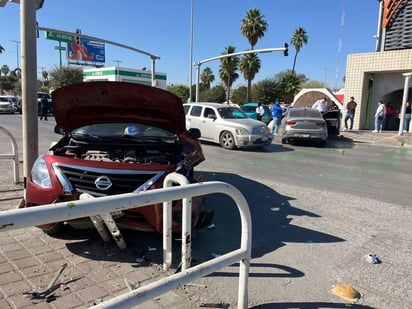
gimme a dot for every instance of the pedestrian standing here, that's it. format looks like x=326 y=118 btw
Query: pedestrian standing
x=350 y=113
x=259 y=112
x=407 y=118
x=44 y=108
x=277 y=116
x=379 y=117
x=388 y=116
x=321 y=105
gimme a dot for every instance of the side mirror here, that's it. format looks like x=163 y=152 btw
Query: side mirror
x=58 y=130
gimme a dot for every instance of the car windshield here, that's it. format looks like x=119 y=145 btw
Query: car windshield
x=231 y=113
x=120 y=131
x=249 y=109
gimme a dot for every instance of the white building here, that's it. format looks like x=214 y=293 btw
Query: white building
x=143 y=77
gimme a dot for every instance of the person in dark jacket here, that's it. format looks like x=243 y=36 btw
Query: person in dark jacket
x=44 y=108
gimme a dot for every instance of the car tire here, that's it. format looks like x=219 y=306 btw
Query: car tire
x=226 y=140
x=283 y=140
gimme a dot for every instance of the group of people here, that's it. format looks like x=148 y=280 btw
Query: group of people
x=276 y=115
x=383 y=115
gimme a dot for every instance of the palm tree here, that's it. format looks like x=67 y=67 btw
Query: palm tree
x=253 y=26
x=1 y=49
x=249 y=66
x=228 y=67
x=299 y=38
x=5 y=69
x=207 y=77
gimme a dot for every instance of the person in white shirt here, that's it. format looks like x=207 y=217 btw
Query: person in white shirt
x=321 y=105
x=379 y=116
x=259 y=112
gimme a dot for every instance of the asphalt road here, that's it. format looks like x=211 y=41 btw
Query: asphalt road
x=316 y=214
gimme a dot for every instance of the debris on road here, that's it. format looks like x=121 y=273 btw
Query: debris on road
x=346 y=292
x=372 y=258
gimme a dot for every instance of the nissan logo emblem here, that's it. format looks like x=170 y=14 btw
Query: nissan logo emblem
x=103 y=183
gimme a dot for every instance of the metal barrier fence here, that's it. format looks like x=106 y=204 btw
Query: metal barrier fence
x=13 y=156
x=33 y=216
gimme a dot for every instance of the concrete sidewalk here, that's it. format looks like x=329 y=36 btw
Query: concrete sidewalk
x=95 y=272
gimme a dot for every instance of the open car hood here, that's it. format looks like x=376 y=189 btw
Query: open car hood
x=89 y=103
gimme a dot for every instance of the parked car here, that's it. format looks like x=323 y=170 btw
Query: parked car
x=7 y=104
x=304 y=124
x=226 y=125
x=250 y=110
x=117 y=138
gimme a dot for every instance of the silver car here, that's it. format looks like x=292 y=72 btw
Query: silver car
x=226 y=125
x=7 y=105
x=304 y=124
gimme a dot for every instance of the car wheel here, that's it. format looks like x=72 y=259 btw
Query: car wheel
x=283 y=140
x=226 y=140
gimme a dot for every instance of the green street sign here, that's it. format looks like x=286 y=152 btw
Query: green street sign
x=58 y=37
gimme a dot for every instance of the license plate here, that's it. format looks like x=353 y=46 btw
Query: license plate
x=306 y=135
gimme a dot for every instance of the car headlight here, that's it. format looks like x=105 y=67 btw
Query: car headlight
x=242 y=131
x=39 y=173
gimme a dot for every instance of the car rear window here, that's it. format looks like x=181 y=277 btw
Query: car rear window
x=304 y=113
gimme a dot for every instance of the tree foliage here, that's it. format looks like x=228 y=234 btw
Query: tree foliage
x=182 y=91
x=228 y=67
x=64 y=76
x=214 y=94
x=299 y=38
x=253 y=26
x=239 y=95
x=249 y=66
x=207 y=77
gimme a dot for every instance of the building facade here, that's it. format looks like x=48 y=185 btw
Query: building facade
x=371 y=77
x=143 y=77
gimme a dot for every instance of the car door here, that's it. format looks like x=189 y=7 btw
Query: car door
x=193 y=117
x=207 y=123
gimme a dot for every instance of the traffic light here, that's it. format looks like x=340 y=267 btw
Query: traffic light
x=286 y=51
x=78 y=33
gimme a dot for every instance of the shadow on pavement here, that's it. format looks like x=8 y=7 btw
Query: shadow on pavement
x=271 y=220
x=307 y=305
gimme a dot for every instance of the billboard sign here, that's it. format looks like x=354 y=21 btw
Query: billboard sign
x=86 y=52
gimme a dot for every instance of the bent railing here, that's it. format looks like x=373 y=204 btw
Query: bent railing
x=33 y=216
x=13 y=156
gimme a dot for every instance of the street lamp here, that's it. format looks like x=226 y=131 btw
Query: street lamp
x=118 y=70
x=17 y=51
x=265 y=50
x=191 y=52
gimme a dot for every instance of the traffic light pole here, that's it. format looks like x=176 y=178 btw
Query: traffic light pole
x=257 y=51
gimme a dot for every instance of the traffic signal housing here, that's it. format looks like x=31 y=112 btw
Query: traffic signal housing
x=78 y=33
x=286 y=51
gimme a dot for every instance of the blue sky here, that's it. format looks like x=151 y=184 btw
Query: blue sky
x=162 y=27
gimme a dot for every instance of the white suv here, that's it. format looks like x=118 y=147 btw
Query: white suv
x=226 y=125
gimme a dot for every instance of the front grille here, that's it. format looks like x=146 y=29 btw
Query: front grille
x=83 y=179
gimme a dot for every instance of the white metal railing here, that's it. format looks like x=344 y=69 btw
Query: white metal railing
x=13 y=156
x=33 y=216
